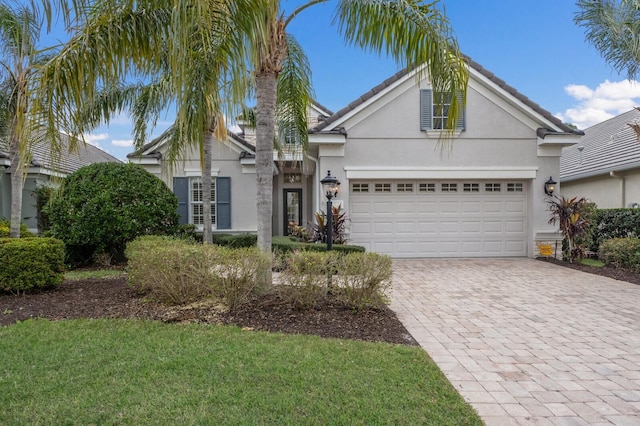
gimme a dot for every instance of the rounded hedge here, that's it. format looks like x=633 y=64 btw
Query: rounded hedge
x=105 y=205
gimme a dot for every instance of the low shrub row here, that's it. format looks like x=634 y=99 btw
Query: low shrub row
x=290 y=244
x=612 y=223
x=360 y=280
x=30 y=264
x=175 y=271
x=621 y=252
x=5 y=226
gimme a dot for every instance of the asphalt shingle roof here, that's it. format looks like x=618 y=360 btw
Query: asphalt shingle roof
x=68 y=162
x=605 y=147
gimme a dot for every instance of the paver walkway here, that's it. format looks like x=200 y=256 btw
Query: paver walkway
x=527 y=342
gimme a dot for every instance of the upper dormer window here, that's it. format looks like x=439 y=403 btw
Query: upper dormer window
x=434 y=110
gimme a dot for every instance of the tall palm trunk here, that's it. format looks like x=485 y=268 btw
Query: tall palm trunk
x=266 y=91
x=17 y=184
x=207 y=236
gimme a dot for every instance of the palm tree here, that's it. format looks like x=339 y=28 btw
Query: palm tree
x=19 y=35
x=613 y=27
x=233 y=36
x=413 y=32
x=192 y=55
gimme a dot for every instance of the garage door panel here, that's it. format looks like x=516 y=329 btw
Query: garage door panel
x=440 y=224
x=515 y=207
x=492 y=227
x=514 y=227
x=471 y=227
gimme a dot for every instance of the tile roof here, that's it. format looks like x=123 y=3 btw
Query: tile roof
x=68 y=162
x=605 y=147
x=473 y=65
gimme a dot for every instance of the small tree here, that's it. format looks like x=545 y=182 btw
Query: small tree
x=570 y=215
x=105 y=205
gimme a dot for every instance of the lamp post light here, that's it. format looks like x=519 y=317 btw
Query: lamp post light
x=550 y=186
x=330 y=186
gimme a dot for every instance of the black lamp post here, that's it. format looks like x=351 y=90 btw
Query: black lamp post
x=550 y=186
x=330 y=186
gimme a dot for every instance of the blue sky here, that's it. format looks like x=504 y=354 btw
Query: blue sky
x=533 y=45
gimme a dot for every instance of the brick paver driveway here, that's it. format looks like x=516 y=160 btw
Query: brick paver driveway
x=527 y=342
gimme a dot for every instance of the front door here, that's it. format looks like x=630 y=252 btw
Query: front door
x=292 y=209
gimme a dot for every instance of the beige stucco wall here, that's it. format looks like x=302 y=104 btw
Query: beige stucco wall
x=605 y=190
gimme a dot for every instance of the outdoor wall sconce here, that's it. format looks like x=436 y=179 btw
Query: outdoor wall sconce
x=550 y=186
x=330 y=186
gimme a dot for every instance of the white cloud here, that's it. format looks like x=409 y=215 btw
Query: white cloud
x=122 y=142
x=609 y=99
x=94 y=140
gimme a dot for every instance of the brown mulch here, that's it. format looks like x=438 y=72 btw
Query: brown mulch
x=113 y=298
x=619 y=274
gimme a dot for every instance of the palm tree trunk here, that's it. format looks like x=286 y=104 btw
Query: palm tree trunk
x=207 y=237
x=17 y=184
x=266 y=91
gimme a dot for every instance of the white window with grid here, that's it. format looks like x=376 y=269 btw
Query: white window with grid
x=492 y=187
x=404 y=187
x=383 y=187
x=515 y=187
x=470 y=187
x=195 y=202
x=360 y=187
x=449 y=187
x=426 y=187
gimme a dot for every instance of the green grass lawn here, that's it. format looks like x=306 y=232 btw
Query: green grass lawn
x=592 y=262
x=139 y=372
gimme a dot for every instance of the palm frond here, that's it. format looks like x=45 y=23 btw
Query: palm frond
x=414 y=33
x=294 y=96
x=613 y=28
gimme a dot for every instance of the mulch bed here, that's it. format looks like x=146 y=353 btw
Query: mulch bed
x=113 y=298
x=605 y=271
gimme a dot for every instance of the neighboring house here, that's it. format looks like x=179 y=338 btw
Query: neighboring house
x=44 y=170
x=605 y=166
x=405 y=193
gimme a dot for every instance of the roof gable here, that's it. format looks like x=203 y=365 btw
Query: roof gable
x=544 y=117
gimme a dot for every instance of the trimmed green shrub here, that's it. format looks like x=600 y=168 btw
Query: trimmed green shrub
x=235 y=241
x=614 y=223
x=621 y=252
x=5 y=227
x=30 y=264
x=105 y=205
x=364 y=279
x=287 y=244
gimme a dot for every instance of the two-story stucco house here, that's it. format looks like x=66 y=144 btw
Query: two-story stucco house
x=405 y=194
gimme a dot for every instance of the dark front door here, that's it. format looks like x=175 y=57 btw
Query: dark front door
x=292 y=208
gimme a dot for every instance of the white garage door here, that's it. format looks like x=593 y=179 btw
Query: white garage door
x=439 y=218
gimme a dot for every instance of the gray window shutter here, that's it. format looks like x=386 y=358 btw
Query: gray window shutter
x=461 y=124
x=223 y=203
x=426 y=108
x=181 y=191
